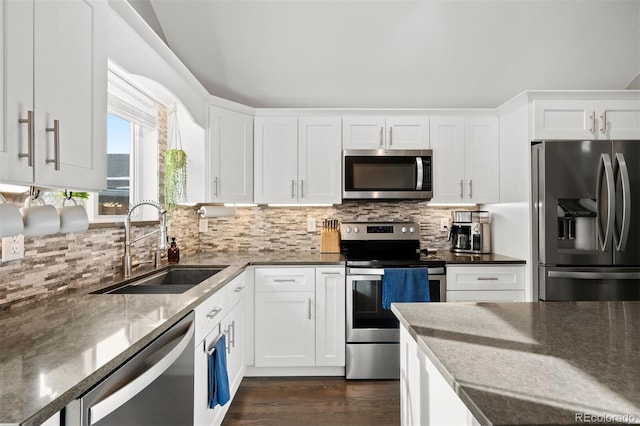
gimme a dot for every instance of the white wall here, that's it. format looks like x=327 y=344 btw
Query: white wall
x=511 y=229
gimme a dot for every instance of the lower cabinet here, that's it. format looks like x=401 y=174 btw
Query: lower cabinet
x=224 y=314
x=425 y=396
x=300 y=317
x=490 y=283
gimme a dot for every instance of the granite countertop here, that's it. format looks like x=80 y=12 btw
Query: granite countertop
x=534 y=363
x=465 y=258
x=54 y=351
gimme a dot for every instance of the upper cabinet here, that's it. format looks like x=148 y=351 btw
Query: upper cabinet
x=231 y=156
x=586 y=119
x=392 y=132
x=55 y=93
x=465 y=159
x=297 y=161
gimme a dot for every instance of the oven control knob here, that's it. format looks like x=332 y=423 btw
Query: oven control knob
x=412 y=229
x=355 y=229
x=348 y=229
x=404 y=229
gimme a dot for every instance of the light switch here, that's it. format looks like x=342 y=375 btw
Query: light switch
x=203 y=225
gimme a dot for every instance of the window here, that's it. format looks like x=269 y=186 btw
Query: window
x=132 y=152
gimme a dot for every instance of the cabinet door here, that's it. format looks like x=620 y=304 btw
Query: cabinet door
x=363 y=133
x=484 y=278
x=276 y=160
x=319 y=159
x=407 y=132
x=70 y=83
x=447 y=143
x=482 y=160
x=234 y=328
x=285 y=329
x=618 y=119
x=231 y=161
x=17 y=90
x=330 y=317
x=564 y=120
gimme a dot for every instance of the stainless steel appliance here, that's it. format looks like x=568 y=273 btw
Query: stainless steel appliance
x=387 y=174
x=470 y=232
x=154 y=387
x=373 y=333
x=586 y=211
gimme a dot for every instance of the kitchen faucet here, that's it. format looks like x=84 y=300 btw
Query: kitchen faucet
x=162 y=239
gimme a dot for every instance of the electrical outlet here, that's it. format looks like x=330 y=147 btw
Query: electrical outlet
x=203 y=225
x=12 y=248
x=444 y=224
x=311 y=224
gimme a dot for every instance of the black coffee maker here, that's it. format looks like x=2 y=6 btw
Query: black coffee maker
x=470 y=232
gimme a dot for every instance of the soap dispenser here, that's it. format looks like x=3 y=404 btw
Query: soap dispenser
x=173 y=252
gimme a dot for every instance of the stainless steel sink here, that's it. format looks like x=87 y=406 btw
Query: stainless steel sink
x=175 y=280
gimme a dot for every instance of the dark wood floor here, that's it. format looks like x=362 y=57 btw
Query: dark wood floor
x=315 y=401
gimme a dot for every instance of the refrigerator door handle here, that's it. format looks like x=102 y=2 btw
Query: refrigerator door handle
x=605 y=169
x=621 y=167
x=585 y=275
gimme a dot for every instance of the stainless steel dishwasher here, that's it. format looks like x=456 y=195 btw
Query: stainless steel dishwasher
x=154 y=387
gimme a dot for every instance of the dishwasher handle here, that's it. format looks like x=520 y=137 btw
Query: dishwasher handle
x=103 y=408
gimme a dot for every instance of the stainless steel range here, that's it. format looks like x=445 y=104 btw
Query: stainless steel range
x=370 y=248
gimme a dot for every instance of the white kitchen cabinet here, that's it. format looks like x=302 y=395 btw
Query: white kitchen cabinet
x=231 y=156
x=425 y=396
x=330 y=316
x=234 y=329
x=586 y=119
x=392 y=132
x=466 y=159
x=300 y=317
x=297 y=161
x=487 y=283
x=55 y=94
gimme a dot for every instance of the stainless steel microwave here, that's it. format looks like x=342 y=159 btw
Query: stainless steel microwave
x=387 y=174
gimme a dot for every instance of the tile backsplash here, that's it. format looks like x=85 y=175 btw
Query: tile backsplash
x=58 y=263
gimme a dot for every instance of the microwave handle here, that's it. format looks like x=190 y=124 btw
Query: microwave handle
x=420 y=177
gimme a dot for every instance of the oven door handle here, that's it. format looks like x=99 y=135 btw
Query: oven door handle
x=364 y=273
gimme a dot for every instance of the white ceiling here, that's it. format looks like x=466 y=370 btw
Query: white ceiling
x=398 y=54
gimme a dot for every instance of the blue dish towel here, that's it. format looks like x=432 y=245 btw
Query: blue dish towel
x=218 y=377
x=405 y=285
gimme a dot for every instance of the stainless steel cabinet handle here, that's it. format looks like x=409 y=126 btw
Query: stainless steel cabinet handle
x=284 y=280
x=233 y=333
x=238 y=289
x=592 y=117
x=605 y=169
x=227 y=331
x=309 y=308
x=487 y=278
x=470 y=188
x=214 y=312
x=128 y=391
x=621 y=166
x=603 y=117
x=215 y=187
x=301 y=188
x=461 y=188
x=30 y=141
x=56 y=144
x=380 y=137
x=331 y=273
x=293 y=188
x=390 y=136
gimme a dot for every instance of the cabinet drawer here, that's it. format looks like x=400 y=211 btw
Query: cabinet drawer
x=209 y=313
x=485 y=278
x=285 y=279
x=485 y=296
x=235 y=290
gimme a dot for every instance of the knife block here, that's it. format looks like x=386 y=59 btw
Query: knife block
x=329 y=241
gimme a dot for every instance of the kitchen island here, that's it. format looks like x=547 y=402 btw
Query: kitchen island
x=521 y=363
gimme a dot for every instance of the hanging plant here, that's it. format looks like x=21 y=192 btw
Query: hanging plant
x=175 y=169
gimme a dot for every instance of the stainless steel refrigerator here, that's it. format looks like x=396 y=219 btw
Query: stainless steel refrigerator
x=586 y=217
